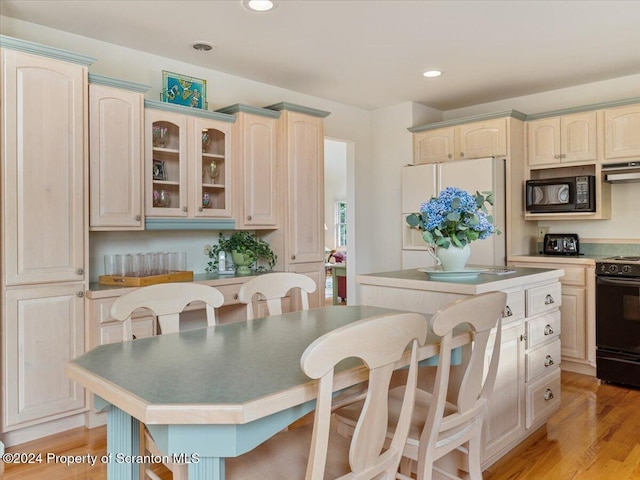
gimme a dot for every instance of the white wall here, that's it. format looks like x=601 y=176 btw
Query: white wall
x=335 y=185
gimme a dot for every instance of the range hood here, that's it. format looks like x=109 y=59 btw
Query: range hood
x=625 y=172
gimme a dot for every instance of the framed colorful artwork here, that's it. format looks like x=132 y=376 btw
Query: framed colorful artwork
x=183 y=90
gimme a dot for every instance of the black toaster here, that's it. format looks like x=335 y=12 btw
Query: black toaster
x=561 y=244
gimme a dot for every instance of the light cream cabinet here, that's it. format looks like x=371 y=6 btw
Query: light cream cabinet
x=105 y=329
x=256 y=176
x=115 y=155
x=188 y=162
x=556 y=140
x=43 y=153
x=471 y=140
x=622 y=133
x=43 y=329
x=44 y=238
x=299 y=243
x=577 y=312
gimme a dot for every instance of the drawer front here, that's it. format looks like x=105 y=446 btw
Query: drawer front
x=542 y=360
x=141 y=328
x=515 y=305
x=543 y=299
x=543 y=397
x=101 y=310
x=230 y=293
x=542 y=329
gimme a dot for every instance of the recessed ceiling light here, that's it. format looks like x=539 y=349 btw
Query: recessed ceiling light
x=202 y=46
x=432 y=73
x=259 y=5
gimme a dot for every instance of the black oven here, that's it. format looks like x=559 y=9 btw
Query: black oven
x=618 y=320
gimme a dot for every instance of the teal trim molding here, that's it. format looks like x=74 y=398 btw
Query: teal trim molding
x=475 y=118
x=44 y=51
x=114 y=82
x=585 y=108
x=195 y=112
x=292 y=107
x=190 y=223
x=239 y=107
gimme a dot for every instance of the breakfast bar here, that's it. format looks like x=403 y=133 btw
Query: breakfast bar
x=216 y=392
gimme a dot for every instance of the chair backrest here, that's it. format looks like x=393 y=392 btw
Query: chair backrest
x=166 y=301
x=381 y=341
x=273 y=287
x=481 y=313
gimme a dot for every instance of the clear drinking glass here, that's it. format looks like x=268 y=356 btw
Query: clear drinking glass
x=149 y=268
x=137 y=265
x=123 y=261
x=110 y=265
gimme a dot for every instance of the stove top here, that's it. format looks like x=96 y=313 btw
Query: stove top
x=619 y=266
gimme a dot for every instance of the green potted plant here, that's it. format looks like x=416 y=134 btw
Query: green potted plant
x=245 y=249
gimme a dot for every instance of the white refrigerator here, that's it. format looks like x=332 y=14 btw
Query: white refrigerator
x=421 y=182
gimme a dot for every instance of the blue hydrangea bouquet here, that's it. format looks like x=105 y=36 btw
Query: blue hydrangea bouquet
x=454 y=217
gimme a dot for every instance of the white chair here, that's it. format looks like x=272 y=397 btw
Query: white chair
x=273 y=287
x=381 y=341
x=438 y=426
x=166 y=301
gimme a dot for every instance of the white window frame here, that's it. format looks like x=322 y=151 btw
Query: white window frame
x=338 y=223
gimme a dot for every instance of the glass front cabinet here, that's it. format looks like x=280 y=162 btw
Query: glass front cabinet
x=187 y=162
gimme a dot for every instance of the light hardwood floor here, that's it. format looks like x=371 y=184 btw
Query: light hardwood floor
x=594 y=436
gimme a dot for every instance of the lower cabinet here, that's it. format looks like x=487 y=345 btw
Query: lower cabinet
x=315 y=271
x=104 y=329
x=43 y=329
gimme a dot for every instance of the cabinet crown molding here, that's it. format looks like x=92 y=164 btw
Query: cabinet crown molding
x=475 y=118
x=292 y=107
x=114 y=82
x=239 y=107
x=194 y=112
x=584 y=108
x=44 y=51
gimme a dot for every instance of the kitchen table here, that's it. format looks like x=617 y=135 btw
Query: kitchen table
x=215 y=392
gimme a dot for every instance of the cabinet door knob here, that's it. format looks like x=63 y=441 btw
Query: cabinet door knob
x=184 y=209
x=80 y=294
x=80 y=271
x=235 y=296
x=557 y=156
x=564 y=155
x=449 y=156
x=248 y=217
x=548 y=361
x=548 y=300
x=199 y=209
x=548 y=395
x=523 y=338
x=293 y=257
x=138 y=217
x=548 y=330
x=462 y=154
x=507 y=312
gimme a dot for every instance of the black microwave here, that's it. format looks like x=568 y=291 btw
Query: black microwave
x=560 y=195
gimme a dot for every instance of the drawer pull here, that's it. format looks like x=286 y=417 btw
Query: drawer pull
x=548 y=300
x=507 y=312
x=548 y=330
x=548 y=361
x=133 y=337
x=548 y=395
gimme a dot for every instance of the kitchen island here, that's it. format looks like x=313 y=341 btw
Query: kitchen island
x=527 y=388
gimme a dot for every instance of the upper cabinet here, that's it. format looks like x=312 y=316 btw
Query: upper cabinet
x=255 y=135
x=188 y=164
x=43 y=155
x=622 y=132
x=555 y=140
x=487 y=138
x=115 y=154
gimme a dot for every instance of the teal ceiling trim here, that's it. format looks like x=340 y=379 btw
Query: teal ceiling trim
x=292 y=107
x=114 y=82
x=196 y=112
x=239 y=107
x=475 y=118
x=190 y=224
x=44 y=51
x=584 y=108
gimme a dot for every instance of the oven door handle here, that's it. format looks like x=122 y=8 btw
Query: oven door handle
x=618 y=281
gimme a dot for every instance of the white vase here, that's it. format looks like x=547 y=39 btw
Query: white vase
x=453 y=259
